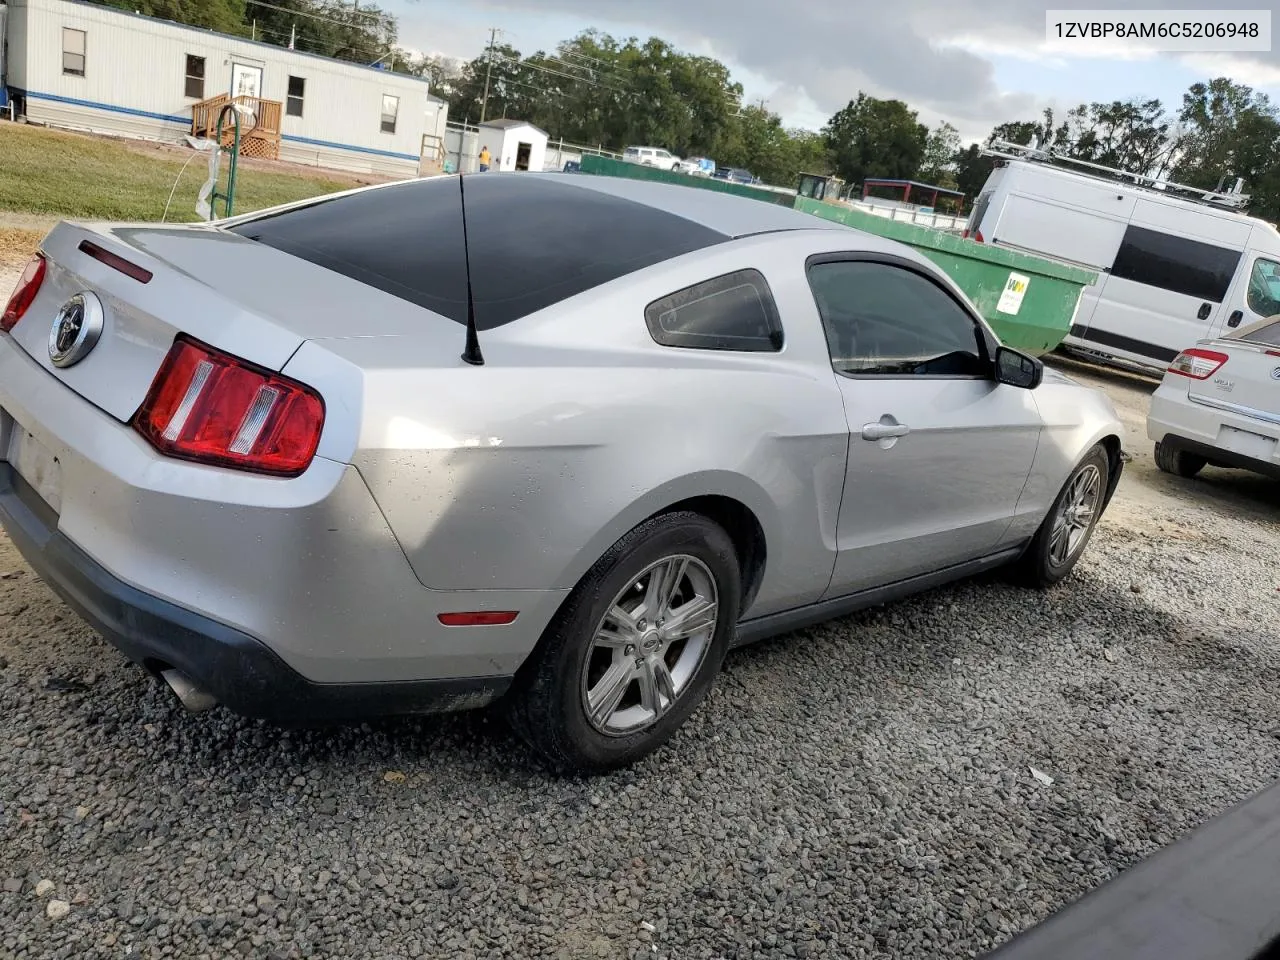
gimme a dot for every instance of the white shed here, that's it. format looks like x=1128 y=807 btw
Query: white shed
x=514 y=144
x=88 y=67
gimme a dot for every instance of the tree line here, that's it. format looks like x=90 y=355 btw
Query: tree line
x=595 y=89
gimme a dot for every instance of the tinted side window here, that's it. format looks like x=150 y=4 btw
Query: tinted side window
x=885 y=320
x=732 y=312
x=1189 y=267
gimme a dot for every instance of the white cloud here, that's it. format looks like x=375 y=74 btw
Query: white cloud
x=1242 y=69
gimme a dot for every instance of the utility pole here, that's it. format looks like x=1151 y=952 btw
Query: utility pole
x=488 y=71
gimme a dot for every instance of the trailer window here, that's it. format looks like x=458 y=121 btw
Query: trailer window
x=297 y=87
x=1188 y=267
x=73 y=52
x=390 y=107
x=194 y=88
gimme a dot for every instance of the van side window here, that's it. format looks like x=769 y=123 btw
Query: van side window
x=888 y=321
x=1263 y=297
x=732 y=312
x=1189 y=267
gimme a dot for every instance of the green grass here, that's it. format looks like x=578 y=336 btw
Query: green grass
x=80 y=177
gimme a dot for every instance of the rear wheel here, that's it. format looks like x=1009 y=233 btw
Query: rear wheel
x=1065 y=532
x=635 y=648
x=1178 y=462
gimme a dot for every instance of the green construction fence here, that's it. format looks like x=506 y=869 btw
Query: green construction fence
x=608 y=167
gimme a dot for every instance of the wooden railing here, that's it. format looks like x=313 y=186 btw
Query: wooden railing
x=262 y=140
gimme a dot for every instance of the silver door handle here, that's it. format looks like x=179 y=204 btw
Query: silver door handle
x=883 y=431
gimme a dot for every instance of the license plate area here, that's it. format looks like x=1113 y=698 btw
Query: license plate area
x=1246 y=444
x=36 y=464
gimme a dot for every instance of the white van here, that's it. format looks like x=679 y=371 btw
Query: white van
x=1172 y=270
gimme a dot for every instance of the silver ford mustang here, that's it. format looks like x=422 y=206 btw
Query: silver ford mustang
x=556 y=439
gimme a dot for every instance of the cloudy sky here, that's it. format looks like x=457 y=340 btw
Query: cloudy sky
x=974 y=63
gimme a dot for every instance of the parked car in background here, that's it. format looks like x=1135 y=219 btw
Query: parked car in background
x=1219 y=404
x=652 y=157
x=698 y=166
x=735 y=175
x=374 y=453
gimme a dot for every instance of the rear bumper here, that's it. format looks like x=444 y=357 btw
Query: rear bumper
x=239 y=671
x=1197 y=428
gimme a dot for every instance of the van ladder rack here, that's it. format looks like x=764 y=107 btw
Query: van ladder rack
x=1233 y=200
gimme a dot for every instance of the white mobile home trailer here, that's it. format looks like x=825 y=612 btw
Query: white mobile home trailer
x=83 y=66
x=1171 y=270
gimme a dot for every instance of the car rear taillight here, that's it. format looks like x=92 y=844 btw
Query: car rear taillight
x=214 y=408
x=24 y=293
x=1198 y=364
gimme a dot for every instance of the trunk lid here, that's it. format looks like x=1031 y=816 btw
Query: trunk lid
x=240 y=296
x=1248 y=381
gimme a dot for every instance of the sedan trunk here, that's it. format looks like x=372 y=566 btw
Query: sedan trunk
x=245 y=298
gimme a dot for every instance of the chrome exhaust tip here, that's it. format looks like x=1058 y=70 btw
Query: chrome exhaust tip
x=189 y=695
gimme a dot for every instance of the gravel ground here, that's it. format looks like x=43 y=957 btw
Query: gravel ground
x=863 y=789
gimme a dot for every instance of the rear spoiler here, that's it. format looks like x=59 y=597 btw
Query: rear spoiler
x=1214 y=895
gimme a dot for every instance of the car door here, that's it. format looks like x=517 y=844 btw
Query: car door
x=938 y=451
x=1255 y=295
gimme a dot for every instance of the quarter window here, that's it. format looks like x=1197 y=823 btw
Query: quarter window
x=194 y=88
x=390 y=107
x=732 y=312
x=297 y=88
x=73 y=47
x=1263 y=297
x=1188 y=267
x=890 y=321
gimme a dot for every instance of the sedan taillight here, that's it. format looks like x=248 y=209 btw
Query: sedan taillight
x=1198 y=364
x=24 y=293
x=214 y=408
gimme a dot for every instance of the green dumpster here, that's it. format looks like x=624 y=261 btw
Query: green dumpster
x=1028 y=301
x=608 y=167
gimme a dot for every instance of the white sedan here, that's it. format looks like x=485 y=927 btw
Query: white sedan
x=1219 y=404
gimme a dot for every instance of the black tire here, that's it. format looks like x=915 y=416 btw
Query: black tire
x=1178 y=462
x=1039 y=566
x=547 y=708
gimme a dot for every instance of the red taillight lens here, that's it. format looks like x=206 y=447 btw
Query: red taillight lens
x=1198 y=364
x=478 y=618
x=213 y=408
x=24 y=293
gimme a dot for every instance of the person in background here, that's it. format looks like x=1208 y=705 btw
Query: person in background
x=484 y=158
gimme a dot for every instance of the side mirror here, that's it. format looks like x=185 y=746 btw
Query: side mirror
x=1017 y=369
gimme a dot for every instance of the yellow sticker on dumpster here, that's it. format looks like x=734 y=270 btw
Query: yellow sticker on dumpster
x=1015 y=288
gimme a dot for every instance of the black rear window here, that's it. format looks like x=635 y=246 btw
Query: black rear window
x=533 y=241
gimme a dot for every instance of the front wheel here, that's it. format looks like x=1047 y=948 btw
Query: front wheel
x=635 y=648
x=1065 y=532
